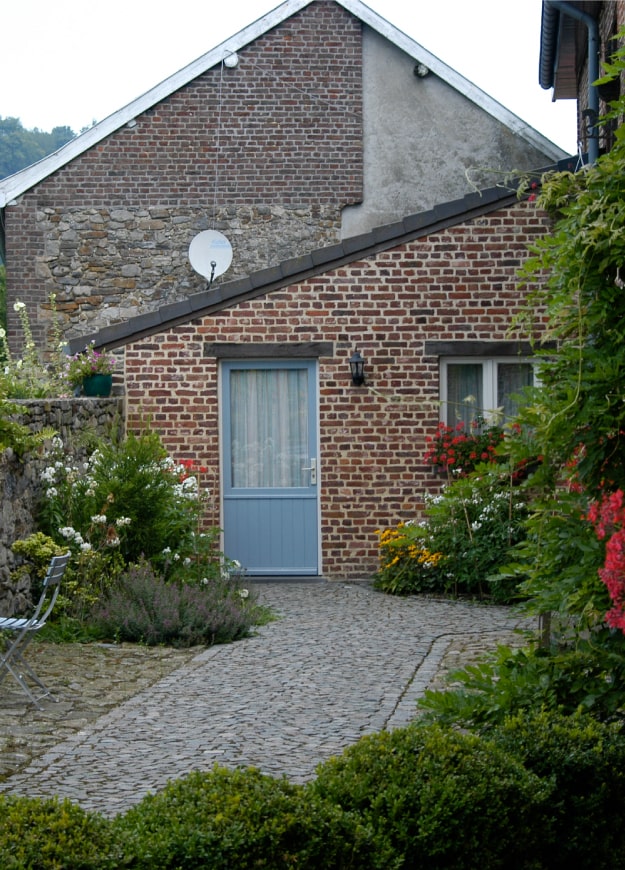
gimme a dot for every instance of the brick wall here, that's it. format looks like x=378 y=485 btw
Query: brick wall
x=112 y=228
x=458 y=284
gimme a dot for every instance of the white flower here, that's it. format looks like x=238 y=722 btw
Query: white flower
x=122 y=521
x=187 y=562
x=166 y=551
x=19 y=306
x=67 y=532
x=85 y=547
x=51 y=492
x=112 y=542
x=244 y=593
x=2 y=333
x=176 y=557
x=99 y=519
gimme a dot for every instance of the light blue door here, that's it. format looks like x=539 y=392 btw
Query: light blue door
x=270 y=466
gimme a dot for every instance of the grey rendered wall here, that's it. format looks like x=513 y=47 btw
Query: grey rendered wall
x=424 y=142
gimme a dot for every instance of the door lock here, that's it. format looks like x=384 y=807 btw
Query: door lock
x=313 y=471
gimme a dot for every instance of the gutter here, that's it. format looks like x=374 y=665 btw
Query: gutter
x=549 y=41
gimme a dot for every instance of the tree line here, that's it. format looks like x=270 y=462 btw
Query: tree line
x=20 y=147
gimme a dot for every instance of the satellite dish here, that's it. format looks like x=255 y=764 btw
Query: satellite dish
x=210 y=254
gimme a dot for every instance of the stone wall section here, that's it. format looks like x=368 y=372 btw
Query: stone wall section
x=20 y=479
x=459 y=284
x=268 y=152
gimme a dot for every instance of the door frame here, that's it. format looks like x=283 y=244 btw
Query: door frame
x=228 y=363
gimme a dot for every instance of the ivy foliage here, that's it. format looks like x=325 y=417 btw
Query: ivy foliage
x=575 y=287
x=577 y=275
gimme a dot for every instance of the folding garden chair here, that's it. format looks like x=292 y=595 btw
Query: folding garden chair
x=23 y=629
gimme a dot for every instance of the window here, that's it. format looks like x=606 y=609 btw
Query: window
x=472 y=387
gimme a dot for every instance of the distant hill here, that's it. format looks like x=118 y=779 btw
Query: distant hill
x=19 y=147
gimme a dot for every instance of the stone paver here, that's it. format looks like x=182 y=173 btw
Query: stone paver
x=342 y=661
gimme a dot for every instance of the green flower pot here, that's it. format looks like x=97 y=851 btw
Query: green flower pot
x=97 y=385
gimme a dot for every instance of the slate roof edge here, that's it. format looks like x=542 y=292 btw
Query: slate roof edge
x=301 y=268
x=12 y=187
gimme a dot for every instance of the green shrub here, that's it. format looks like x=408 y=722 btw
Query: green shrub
x=38 y=834
x=466 y=537
x=587 y=675
x=239 y=819
x=436 y=798
x=143 y=608
x=128 y=497
x=586 y=763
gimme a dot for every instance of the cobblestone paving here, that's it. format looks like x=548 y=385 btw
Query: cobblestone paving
x=341 y=661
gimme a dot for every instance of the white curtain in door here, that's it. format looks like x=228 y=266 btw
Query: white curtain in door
x=269 y=427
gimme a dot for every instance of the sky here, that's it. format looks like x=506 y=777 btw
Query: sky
x=70 y=62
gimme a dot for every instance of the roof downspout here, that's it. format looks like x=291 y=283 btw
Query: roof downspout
x=593 y=70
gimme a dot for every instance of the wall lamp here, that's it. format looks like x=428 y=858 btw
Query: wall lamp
x=357 y=366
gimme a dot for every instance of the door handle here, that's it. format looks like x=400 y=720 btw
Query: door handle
x=313 y=471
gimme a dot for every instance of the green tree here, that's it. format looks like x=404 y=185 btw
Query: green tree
x=20 y=148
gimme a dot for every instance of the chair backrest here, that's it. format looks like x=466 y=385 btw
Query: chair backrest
x=51 y=586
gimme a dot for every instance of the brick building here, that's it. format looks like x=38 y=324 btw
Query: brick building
x=345 y=239
x=254 y=374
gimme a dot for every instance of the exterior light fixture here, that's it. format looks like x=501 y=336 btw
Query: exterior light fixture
x=357 y=366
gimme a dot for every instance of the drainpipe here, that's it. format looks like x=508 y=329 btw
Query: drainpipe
x=593 y=70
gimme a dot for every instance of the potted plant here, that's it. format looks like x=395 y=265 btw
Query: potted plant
x=91 y=371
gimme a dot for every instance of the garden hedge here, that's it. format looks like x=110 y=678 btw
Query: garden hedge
x=540 y=792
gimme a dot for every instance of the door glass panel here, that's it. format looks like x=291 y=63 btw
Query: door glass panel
x=269 y=428
x=511 y=379
x=465 y=399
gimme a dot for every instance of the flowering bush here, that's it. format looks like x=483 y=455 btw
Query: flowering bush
x=406 y=564
x=459 y=450
x=608 y=519
x=466 y=537
x=87 y=363
x=28 y=376
x=130 y=512
x=132 y=495
x=144 y=608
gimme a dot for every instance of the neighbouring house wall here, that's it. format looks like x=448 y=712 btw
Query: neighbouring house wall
x=611 y=20
x=424 y=141
x=458 y=284
x=21 y=486
x=268 y=152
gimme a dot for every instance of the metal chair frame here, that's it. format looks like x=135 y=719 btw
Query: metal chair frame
x=23 y=630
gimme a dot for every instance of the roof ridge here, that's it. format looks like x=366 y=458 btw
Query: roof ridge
x=17 y=184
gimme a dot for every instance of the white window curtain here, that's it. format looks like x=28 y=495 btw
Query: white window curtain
x=465 y=393
x=511 y=380
x=269 y=427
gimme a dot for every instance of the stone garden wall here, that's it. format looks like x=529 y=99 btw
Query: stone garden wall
x=20 y=479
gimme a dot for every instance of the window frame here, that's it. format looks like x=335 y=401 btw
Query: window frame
x=489 y=381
